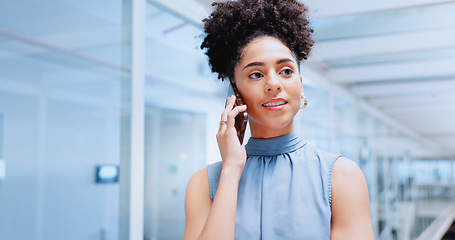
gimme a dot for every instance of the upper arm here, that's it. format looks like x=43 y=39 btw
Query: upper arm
x=350 y=202
x=197 y=204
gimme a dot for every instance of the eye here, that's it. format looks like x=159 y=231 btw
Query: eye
x=287 y=71
x=255 y=75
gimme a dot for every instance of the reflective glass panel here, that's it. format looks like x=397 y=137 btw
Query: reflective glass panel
x=61 y=106
x=183 y=102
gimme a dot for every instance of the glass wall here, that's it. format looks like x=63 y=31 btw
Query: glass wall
x=63 y=76
x=183 y=101
x=312 y=123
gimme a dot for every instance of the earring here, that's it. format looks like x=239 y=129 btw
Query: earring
x=305 y=103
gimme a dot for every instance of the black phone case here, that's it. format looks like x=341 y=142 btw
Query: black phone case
x=241 y=119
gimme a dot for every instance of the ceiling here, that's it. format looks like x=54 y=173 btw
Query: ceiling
x=397 y=56
x=399 y=59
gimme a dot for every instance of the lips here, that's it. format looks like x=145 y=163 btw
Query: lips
x=275 y=104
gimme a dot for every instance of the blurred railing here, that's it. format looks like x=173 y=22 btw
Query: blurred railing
x=415 y=199
x=437 y=229
x=426 y=212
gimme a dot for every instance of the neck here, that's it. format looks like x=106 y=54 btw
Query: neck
x=258 y=131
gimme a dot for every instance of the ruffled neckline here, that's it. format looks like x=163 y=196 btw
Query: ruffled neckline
x=274 y=146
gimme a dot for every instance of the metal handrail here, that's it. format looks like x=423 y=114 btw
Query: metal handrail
x=437 y=229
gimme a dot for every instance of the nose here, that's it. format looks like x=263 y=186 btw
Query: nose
x=273 y=83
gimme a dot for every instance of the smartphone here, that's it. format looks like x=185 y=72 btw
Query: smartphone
x=242 y=118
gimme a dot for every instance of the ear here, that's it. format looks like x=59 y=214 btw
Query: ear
x=302 y=94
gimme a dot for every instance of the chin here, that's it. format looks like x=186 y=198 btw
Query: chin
x=274 y=122
x=275 y=125
x=281 y=125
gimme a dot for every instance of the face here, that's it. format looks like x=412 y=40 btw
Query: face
x=268 y=79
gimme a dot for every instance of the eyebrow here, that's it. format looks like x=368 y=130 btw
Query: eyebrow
x=283 y=60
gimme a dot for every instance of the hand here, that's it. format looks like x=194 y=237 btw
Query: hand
x=232 y=152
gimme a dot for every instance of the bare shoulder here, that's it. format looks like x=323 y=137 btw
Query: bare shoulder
x=347 y=170
x=348 y=182
x=350 y=202
x=197 y=204
x=198 y=186
x=200 y=176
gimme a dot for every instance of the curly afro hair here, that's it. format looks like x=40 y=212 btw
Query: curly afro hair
x=233 y=24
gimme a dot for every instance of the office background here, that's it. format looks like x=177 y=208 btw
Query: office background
x=123 y=85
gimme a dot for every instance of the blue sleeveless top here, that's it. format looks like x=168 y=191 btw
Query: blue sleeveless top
x=284 y=192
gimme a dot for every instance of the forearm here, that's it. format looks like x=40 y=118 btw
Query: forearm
x=220 y=223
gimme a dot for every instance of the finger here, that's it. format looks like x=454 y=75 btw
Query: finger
x=224 y=115
x=223 y=125
x=229 y=105
x=233 y=114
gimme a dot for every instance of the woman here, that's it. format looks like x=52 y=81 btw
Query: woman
x=274 y=187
